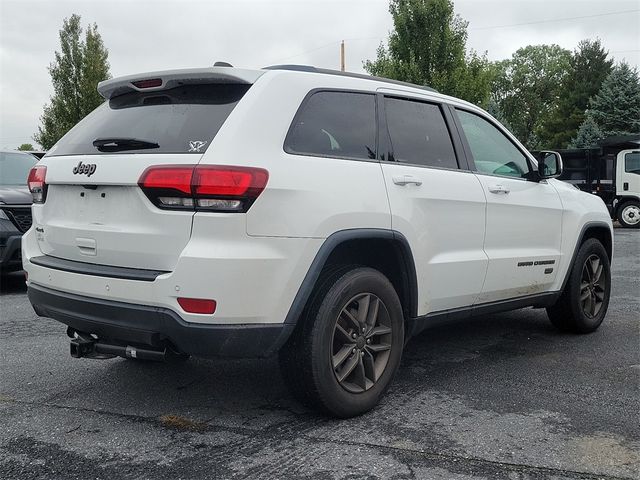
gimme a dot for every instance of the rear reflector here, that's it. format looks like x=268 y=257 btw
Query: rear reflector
x=217 y=188
x=37 y=183
x=150 y=83
x=197 y=305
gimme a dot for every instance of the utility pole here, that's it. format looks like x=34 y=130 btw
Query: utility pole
x=342 y=56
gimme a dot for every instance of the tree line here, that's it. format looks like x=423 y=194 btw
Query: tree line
x=548 y=96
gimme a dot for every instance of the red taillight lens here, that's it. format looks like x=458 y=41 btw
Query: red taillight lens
x=37 y=183
x=216 y=188
x=149 y=83
x=197 y=305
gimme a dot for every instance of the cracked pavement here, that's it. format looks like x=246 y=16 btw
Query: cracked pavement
x=502 y=396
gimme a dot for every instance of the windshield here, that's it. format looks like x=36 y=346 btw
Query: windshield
x=179 y=120
x=14 y=167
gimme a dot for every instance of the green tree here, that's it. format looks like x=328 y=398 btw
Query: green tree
x=589 y=67
x=526 y=88
x=616 y=107
x=26 y=147
x=427 y=46
x=588 y=134
x=78 y=67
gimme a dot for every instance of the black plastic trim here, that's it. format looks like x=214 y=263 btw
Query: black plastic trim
x=304 y=292
x=156 y=327
x=418 y=324
x=109 y=271
x=583 y=231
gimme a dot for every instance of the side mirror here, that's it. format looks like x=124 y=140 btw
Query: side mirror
x=549 y=164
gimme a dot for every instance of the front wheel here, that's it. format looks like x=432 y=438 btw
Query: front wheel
x=583 y=304
x=629 y=214
x=347 y=347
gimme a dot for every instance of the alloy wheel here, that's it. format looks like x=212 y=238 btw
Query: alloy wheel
x=361 y=343
x=593 y=286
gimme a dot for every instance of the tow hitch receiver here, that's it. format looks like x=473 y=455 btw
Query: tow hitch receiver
x=84 y=345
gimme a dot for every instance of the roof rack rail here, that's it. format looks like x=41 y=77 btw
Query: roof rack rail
x=327 y=71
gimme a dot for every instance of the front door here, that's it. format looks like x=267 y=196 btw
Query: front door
x=524 y=216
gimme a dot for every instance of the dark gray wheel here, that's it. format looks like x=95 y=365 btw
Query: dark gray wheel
x=347 y=346
x=593 y=286
x=629 y=214
x=361 y=343
x=583 y=304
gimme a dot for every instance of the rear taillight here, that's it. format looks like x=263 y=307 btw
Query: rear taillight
x=37 y=183
x=217 y=188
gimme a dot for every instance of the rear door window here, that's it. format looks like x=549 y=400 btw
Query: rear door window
x=418 y=134
x=335 y=124
x=179 y=120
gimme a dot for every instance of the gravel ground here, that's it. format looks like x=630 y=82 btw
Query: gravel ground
x=503 y=396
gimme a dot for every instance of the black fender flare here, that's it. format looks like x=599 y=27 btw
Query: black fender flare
x=329 y=245
x=581 y=236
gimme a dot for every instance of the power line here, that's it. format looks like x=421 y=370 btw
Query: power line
x=556 y=20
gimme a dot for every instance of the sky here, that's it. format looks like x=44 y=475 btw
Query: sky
x=157 y=35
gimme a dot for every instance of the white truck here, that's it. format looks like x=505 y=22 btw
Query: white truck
x=611 y=171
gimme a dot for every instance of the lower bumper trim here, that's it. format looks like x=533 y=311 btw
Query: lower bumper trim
x=156 y=327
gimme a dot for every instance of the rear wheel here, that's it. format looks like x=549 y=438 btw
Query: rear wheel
x=583 y=304
x=347 y=347
x=629 y=214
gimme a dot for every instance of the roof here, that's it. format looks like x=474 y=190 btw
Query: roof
x=326 y=71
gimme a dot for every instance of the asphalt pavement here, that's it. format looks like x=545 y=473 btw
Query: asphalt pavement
x=502 y=396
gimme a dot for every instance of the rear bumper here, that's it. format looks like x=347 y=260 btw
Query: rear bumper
x=156 y=327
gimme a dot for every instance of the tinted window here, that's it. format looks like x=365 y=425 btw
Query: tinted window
x=418 y=134
x=492 y=151
x=176 y=119
x=14 y=167
x=335 y=124
x=632 y=162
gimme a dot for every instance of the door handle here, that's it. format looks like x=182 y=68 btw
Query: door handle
x=499 y=189
x=403 y=180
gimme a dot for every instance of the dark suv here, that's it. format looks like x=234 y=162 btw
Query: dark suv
x=15 y=207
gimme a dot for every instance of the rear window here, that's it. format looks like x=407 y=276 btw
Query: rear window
x=335 y=124
x=14 y=167
x=179 y=120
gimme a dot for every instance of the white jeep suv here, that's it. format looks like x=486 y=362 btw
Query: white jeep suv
x=325 y=216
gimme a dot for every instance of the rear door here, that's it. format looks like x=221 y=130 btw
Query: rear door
x=94 y=211
x=437 y=204
x=524 y=217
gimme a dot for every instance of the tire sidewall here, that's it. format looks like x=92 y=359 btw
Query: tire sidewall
x=361 y=280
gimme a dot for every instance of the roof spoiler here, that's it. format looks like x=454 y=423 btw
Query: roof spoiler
x=163 y=80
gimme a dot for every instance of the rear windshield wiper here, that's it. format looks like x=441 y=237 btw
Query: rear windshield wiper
x=121 y=143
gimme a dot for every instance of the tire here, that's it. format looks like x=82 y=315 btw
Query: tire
x=629 y=214
x=583 y=304
x=323 y=364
